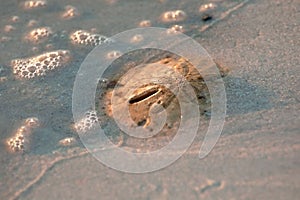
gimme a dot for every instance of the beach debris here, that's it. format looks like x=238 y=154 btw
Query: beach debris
x=146 y=98
x=20 y=141
x=70 y=12
x=87 y=122
x=34 y=4
x=39 y=65
x=39 y=34
x=86 y=38
x=209 y=185
x=206 y=17
x=173 y=16
x=152 y=95
x=206 y=10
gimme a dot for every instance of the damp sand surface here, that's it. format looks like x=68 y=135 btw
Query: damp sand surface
x=257 y=156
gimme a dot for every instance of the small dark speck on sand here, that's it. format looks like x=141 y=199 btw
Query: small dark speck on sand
x=207 y=17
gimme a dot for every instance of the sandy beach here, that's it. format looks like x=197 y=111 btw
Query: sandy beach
x=256 y=157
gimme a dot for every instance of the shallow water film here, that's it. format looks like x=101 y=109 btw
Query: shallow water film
x=42 y=46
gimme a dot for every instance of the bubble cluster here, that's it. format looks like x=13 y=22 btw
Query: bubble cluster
x=173 y=16
x=39 y=65
x=39 y=34
x=32 y=122
x=113 y=54
x=20 y=140
x=86 y=38
x=34 y=4
x=137 y=38
x=66 y=142
x=17 y=142
x=70 y=12
x=145 y=23
x=175 y=29
x=87 y=122
x=207 y=7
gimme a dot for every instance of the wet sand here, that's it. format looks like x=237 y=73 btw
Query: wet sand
x=257 y=156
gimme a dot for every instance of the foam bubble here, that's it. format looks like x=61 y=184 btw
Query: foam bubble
x=39 y=65
x=34 y=4
x=3 y=79
x=32 y=23
x=173 y=16
x=86 y=38
x=137 y=38
x=17 y=143
x=35 y=49
x=15 y=19
x=9 y=28
x=114 y=54
x=87 y=122
x=66 y=142
x=70 y=12
x=39 y=34
x=207 y=7
x=32 y=122
x=49 y=46
x=175 y=29
x=145 y=23
x=20 y=141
